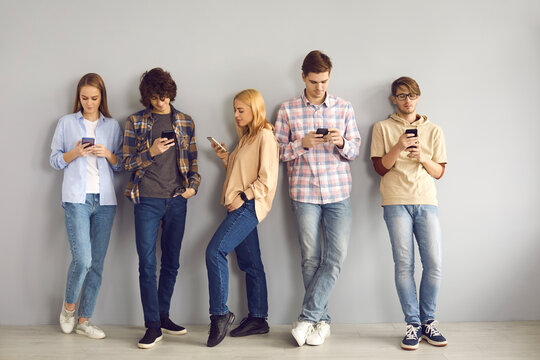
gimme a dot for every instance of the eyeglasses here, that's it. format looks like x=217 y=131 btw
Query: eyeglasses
x=404 y=96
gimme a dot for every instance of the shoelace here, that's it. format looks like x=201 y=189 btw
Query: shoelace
x=91 y=328
x=69 y=314
x=431 y=329
x=411 y=332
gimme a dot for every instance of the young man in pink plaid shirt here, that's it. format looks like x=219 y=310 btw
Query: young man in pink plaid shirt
x=317 y=138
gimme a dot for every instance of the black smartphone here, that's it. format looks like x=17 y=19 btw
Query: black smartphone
x=411 y=131
x=169 y=134
x=322 y=131
x=88 y=140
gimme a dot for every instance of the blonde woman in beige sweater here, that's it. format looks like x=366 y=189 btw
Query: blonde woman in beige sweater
x=248 y=192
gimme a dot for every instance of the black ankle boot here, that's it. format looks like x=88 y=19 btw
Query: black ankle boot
x=251 y=326
x=219 y=324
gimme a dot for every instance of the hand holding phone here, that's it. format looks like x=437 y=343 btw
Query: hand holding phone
x=168 y=134
x=88 y=140
x=216 y=143
x=414 y=132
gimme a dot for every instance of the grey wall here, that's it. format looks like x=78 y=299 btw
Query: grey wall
x=478 y=65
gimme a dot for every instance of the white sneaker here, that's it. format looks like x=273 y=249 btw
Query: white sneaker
x=67 y=320
x=320 y=332
x=301 y=331
x=92 y=331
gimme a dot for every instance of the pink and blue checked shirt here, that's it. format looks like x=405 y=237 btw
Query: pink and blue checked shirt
x=319 y=175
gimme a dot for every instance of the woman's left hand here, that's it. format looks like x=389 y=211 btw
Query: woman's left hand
x=237 y=202
x=101 y=151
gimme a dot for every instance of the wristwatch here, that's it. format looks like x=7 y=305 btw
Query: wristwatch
x=243 y=196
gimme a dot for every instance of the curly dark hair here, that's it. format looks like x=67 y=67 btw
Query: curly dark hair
x=156 y=82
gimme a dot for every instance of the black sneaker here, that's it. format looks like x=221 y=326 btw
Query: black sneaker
x=412 y=337
x=432 y=334
x=168 y=327
x=150 y=338
x=219 y=324
x=251 y=326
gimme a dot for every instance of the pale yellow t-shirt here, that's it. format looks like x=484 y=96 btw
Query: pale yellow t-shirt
x=253 y=168
x=408 y=182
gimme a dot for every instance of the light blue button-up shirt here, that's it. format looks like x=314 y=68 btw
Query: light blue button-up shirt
x=71 y=129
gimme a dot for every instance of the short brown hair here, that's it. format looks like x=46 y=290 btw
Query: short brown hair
x=316 y=62
x=92 y=79
x=407 y=82
x=156 y=82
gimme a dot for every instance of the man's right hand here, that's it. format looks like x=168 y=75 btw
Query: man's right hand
x=312 y=139
x=161 y=145
x=405 y=140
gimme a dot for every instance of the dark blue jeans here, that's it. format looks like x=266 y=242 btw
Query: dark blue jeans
x=149 y=213
x=237 y=232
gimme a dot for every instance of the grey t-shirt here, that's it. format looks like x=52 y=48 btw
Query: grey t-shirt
x=162 y=178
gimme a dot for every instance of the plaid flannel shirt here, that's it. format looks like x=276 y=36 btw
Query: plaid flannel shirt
x=319 y=175
x=137 y=143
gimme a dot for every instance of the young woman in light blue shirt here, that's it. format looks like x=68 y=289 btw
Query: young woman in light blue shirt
x=87 y=145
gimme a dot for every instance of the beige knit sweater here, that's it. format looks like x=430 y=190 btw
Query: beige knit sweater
x=253 y=168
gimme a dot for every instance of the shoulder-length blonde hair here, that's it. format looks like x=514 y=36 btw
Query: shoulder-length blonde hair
x=255 y=101
x=96 y=81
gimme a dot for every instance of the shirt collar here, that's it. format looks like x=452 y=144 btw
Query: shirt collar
x=80 y=116
x=326 y=101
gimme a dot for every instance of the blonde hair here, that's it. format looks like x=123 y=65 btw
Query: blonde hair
x=255 y=101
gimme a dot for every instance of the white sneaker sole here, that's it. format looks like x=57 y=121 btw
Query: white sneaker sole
x=95 y=337
x=149 y=346
x=433 y=342
x=170 y=332
x=411 y=347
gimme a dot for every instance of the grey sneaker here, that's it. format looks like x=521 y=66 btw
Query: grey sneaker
x=92 y=331
x=67 y=320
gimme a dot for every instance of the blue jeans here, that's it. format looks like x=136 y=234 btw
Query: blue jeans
x=324 y=231
x=88 y=228
x=423 y=221
x=149 y=213
x=238 y=232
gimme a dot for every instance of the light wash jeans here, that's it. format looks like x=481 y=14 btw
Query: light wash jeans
x=423 y=221
x=237 y=232
x=88 y=228
x=324 y=231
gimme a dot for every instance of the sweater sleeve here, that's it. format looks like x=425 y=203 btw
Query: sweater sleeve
x=267 y=175
x=379 y=167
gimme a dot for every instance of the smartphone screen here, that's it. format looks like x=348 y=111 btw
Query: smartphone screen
x=88 y=140
x=322 y=131
x=215 y=142
x=169 y=134
x=411 y=131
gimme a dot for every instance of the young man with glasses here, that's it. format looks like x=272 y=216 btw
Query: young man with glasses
x=317 y=138
x=409 y=152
